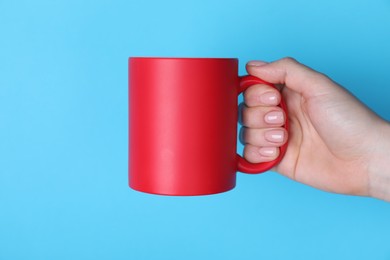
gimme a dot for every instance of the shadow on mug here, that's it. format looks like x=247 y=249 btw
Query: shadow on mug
x=241 y=135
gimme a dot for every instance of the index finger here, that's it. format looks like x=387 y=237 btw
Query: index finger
x=261 y=95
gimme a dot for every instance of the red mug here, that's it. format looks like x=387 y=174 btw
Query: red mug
x=183 y=125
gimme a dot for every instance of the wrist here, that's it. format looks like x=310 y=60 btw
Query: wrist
x=379 y=165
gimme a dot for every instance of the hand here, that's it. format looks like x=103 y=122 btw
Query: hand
x=335 y=142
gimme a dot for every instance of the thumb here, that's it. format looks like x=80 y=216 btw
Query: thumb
x=292 y=74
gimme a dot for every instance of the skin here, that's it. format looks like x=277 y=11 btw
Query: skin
x=335 y=143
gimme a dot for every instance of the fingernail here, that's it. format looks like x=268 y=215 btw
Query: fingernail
x=267 y=151
x=269 y=98
x=256 y=63
x=274 y=117
x=275 y=136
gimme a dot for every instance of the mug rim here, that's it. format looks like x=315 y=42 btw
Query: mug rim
x=179 y=58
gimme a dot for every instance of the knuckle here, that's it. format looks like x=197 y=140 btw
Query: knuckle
x=254 y=137
x=242 y=136
x=251 y=91
x=249 y=117
x=289 y=60
x=250 y=154
x=245 y=116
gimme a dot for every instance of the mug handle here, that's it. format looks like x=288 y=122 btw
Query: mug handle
x=242 y=164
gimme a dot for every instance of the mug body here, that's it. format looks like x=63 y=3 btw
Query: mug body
x=182 y=125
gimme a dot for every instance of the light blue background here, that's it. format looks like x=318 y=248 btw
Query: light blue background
x=63 y=130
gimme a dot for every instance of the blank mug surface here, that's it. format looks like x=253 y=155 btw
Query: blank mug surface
x=183 y=125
